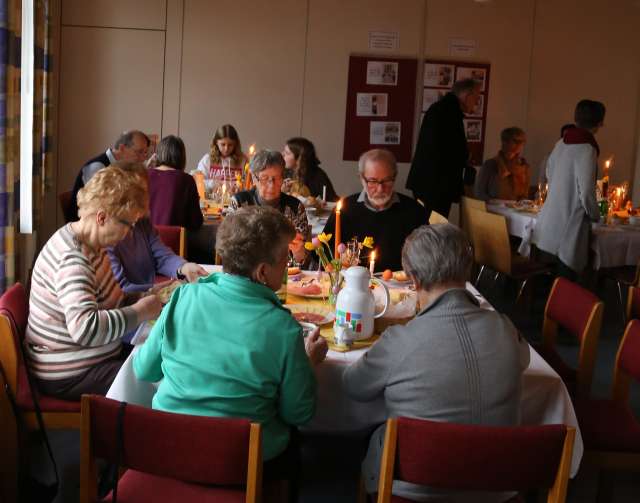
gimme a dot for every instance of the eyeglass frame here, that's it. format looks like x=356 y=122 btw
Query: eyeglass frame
x=372 y=183
x=268 y=180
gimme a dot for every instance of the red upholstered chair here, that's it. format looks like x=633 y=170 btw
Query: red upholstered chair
x=579 y=312
x=57 y=414
x=170 y=457
x=633 y=303
x=610 y=431
x=174 y=237
x=476 y=458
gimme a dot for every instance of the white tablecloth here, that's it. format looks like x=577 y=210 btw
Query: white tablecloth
x=612 y=245
x=545 y=399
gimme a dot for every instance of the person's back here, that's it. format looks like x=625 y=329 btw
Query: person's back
x=173 y=199
x=229 y=349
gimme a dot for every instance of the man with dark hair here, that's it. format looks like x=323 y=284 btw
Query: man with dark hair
x=441 y=152
x=131 y=146
x=564 y=223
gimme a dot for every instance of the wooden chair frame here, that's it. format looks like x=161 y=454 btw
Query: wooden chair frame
x=466 y=204
x=437 y=218
x=182 y=249
x=588 y=343
x=89 y=473
x=557 y=493
x=629 y=308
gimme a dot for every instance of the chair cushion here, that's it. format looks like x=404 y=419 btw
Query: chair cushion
x=607 y=425
x=523 y=268
x=47 y=403
x=568 y=374
x=135 y=486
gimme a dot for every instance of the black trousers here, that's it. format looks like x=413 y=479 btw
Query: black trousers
x=440 y=204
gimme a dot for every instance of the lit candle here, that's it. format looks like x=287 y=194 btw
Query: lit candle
x=372 y=261
x=252 y=150
x=324 y=192
x=337 y=237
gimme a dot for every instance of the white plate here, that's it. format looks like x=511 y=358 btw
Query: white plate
x=327 y=313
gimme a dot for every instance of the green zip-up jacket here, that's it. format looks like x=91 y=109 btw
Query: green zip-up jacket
x=226 y=347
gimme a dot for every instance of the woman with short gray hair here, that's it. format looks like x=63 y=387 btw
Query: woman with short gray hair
x=507 y=175
x=267 y=171
x=454 y=362
x=226 y=346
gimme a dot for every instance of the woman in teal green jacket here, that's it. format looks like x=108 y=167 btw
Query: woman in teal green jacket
x=225 y=346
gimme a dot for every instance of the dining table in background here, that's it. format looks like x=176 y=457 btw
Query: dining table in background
x=544 y=399
x=613 y=245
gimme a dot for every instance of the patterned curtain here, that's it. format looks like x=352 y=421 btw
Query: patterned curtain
x=10 y=28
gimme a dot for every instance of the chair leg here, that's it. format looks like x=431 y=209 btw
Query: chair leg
x=495 y=280
x=622 y=305
x=479 y=275
x=521 y=289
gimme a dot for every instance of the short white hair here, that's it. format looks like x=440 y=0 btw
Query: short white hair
x=437 y=254
x=378 y=154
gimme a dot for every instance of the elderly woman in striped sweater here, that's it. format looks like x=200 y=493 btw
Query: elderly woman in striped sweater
x=77 y=311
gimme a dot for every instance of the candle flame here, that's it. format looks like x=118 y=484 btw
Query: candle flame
x=224 y=188
x=339 y=206
x=607 y=163
x=252 y=149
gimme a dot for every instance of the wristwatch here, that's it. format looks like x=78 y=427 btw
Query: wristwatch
x=179 y=274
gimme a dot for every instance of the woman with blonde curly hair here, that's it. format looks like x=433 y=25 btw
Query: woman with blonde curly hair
x=77 y=311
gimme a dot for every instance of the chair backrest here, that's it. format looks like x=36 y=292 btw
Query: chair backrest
x=65 y=199
x=14 y=311
x=633 y=303
x=627 y=366
x=579 y=312
x=477 y=458
x=174 y=237
x=194 y=449
x=490 y=240
x=437 y=218
x=466 y=204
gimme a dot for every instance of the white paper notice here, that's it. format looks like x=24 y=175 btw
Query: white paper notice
x=382 y=73
x=464 y=47
x=371 y=105
x=384 y=40
x=430 y=96
x=384 y=133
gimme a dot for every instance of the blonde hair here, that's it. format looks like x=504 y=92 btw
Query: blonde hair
x=116 y=191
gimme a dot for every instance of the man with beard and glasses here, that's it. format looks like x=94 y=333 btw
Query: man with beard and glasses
x=379 y=211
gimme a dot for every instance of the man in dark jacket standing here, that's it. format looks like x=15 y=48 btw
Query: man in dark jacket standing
x=441 y=153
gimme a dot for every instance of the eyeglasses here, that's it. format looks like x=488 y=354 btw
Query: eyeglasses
x=266 y=180
x=126 y=223
x=372 y=183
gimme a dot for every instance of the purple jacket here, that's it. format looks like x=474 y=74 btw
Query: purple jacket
x=141 y=255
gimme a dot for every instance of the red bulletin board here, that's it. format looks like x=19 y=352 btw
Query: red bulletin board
x=380 y=112
x=439 y=76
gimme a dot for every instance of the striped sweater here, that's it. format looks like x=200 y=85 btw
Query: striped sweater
x=75 y=319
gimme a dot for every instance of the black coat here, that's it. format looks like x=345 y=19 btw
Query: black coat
x=441 y=153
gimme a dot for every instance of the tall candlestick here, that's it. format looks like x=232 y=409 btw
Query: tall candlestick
x=324 y=192
x=372 y=261
x=337 y=237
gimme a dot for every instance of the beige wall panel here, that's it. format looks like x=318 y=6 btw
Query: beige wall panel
x=336 y=30
x=110 y=81
x=145 y=14
x=172 y=68
x=587 y=49
x=245 y=70
x=503 y=32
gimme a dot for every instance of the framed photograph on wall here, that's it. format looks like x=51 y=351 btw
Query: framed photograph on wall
x=479 y=74
x=382 y=73
x=473 y=130
x=430 y=96
x=478 y=111
x=438 y=75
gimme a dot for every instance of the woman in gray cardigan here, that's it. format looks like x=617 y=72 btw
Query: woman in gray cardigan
x=454 y=362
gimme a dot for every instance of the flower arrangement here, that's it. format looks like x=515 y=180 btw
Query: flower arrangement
x=347 y=256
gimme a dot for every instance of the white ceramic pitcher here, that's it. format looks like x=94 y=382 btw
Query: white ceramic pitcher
x=356 y=305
